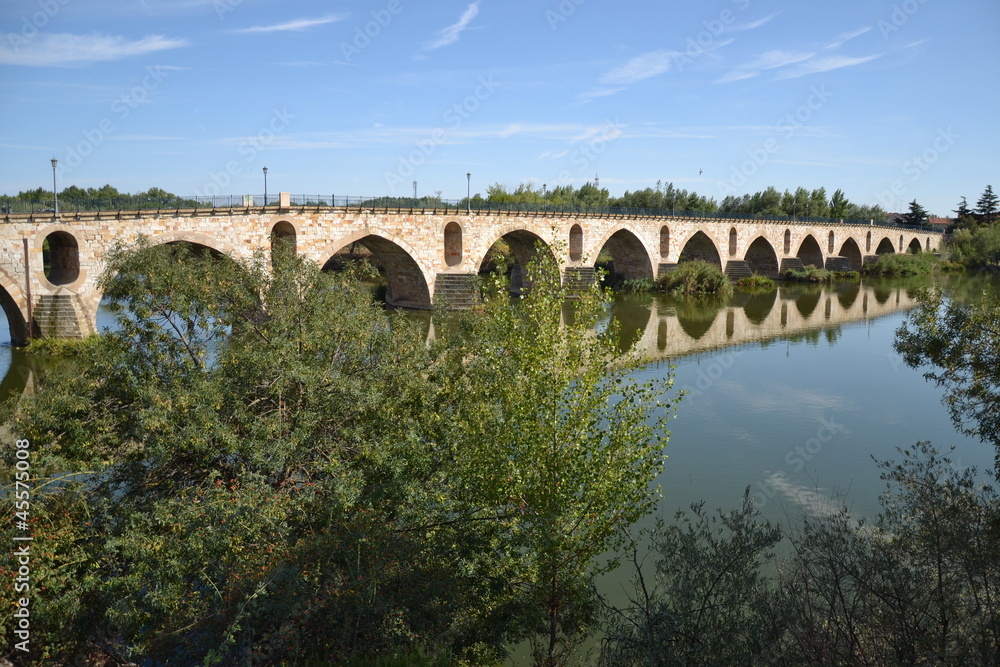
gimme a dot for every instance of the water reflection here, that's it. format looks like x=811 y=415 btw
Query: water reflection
x=667 y=327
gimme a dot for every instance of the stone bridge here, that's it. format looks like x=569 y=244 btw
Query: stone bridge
x=427 y=255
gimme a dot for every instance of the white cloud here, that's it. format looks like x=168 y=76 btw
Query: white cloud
x=753 y=24
x=641 y=67
x=450 y=35
x=293 y=26
x=847 y=37
x=60 y=50
x=764 y=62
x=826 y=65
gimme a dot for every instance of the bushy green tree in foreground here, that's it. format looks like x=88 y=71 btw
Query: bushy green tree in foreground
x=270 y=469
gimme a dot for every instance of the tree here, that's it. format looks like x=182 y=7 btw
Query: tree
x=961 y=345
x=839 y=205
x=963 y=210
x=987 y=205
x=262 y=463
x=916 y=216
x=555 y=436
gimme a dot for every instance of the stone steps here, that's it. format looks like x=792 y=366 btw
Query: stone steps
x=456 y=290
x=791 y=264
x=835 y=263
x=59 y=316
x=737 y=268
x=579 y=278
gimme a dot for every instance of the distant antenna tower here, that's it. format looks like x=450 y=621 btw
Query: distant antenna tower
x=597 y=181
x=414 y=189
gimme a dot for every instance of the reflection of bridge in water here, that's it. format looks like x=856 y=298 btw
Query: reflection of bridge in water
x=667 y=328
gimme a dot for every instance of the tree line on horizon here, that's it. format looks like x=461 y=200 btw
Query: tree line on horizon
x=802 y=203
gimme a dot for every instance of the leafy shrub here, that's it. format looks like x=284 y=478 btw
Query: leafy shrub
x=756 y=283
x=919 y=264
x=695 y=277
x=810 y=274
x=636 y=285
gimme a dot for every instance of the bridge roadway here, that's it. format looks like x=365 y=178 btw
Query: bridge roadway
x=427 y=254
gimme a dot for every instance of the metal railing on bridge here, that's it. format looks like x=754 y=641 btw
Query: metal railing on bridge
x=421 y=204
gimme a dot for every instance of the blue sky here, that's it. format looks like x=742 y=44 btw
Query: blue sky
x=888 y=100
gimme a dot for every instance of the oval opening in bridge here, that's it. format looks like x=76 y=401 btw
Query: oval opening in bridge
x=61 y=258
x=575 y=243
x=453 y=244
x=664 y=241
x=283 y=233
x=732 y=242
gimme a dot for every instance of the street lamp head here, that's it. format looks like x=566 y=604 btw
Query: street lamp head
x=54 y=163
x=468 y=175
x=265 y=171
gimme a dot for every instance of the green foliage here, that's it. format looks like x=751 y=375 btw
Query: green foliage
x=707 y=600
x=976 y=246
x=916 y=216
x=810 y=274
x=636 y=285
x=919 y=585
x=895 y=264
x=961 y=345
x=271 y=469
x=695 y=277
x=987 y=205
x=558 y=440
x=62 y=347
x=756 y=283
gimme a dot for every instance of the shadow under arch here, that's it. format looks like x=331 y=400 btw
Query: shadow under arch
x=810 y=252
x=697 y=315
x=519 y=248
x=629 y=258
x=700 y=246
x=914 y=247
x=406 y=286
x=852 y=252
x=761 y=258
x=885 y=247
x=756 y=305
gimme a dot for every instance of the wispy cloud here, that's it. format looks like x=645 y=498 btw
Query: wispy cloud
x=826 y=65
x=61 y=50
x=641 y=67
x=449 y=35
x=753 y=24
x=846 y=37
x=297 y=25
x=763 y=62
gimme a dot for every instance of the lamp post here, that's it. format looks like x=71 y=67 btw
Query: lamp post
x=543 y=195
x=55 y=192
x=468 y=192
x=265 y=187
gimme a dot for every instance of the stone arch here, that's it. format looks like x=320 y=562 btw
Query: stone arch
x=407 y=287
x=733 y=242
x=810 y=252
x=700 y=246
x=284 y=232
x=629 y=257
x=62 y=258
x=761 y=258
x=868 y=242
x=197 y=239
x=831 y=243
x=453 y=244
x=885 y=247
x=14 y=305
x=664 y=241
x=523 y=244
x=575 y=243
x=788 y=242
x=914 y=247
x=852 y=252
